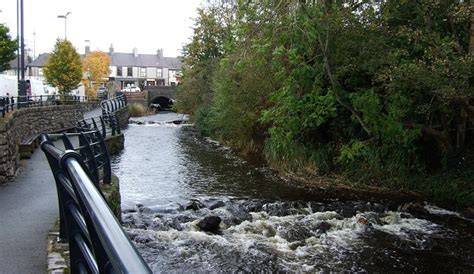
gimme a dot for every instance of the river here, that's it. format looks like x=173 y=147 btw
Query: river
x=171 y=179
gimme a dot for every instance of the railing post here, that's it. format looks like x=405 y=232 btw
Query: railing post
x=117 y=122
x=88 y=153
x=56 y=169
x=2 y=105
x=104 y=130
x=67 y=143
x=105 y=159
x=94 y=124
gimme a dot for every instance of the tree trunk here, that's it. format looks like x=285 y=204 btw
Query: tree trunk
x=471 y=36
x=461 y=129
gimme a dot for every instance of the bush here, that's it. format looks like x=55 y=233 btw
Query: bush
x=136 y=110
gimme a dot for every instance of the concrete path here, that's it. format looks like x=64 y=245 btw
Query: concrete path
x=28 y=210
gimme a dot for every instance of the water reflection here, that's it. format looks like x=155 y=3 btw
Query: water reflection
x=163 y=162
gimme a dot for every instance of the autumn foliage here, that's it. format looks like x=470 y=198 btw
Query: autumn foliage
x=64 y=69
x=96 y=68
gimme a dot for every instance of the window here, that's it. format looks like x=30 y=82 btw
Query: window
x=159 y=73
x=143 y=72
x=129 y=71
x=119 y=71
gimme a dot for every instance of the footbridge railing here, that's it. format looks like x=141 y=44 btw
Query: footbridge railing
x=97 y=242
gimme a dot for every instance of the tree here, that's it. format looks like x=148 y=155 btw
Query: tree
x=201 y=56
x=96 y=66
x=7 y=48
x=64 y=67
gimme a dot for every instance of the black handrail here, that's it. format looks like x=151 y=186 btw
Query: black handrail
x=107 y=126
x=112 y=105
x=8 y=104
x=93 y=151
x=109 y=108
x=97 y=242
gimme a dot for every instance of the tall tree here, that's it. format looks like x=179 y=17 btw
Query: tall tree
x=96 y=67
x=471 y=44
x=64 y=68
x=201 y=56
x=7 y=48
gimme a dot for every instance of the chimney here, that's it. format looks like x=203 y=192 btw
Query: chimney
x=135 y=52
x=87 y=50
x=111 y=49
x=159 y=52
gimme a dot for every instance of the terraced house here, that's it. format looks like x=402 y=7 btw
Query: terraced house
x=129 y=69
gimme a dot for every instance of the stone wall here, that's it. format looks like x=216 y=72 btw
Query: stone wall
x=123 y=116
x=157 y=91
x=136 y=98
x=25 y=124
x=115 y=144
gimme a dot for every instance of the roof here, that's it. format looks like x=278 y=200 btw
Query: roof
x=144 y=60
x=126 y=60
x=14 y=63
x=40 y=61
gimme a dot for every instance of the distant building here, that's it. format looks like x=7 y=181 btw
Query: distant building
x=143 y=69
x=35 y=68
x=140 y=70
x=13 y=71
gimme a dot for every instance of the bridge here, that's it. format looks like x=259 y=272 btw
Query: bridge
x=161 y=95
x=29 y=203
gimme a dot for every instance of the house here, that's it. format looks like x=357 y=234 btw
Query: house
x=143 y=69
x=126 y=69
x=13 y=71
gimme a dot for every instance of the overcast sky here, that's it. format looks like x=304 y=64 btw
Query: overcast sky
x=145 y=24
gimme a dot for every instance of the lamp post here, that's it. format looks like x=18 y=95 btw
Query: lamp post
x=65 y=23
x=20 y=24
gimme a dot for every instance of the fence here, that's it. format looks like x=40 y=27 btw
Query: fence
x=97 y=242
x=111 y=105
x=8 y=104
x=107 y=125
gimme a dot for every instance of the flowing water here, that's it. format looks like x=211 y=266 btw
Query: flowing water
x=173 y=182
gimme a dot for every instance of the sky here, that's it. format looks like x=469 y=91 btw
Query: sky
x=147 y=25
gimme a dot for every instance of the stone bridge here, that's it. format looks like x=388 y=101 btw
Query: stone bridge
x=153 y=95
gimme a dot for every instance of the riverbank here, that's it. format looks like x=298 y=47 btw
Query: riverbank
x=451 y=188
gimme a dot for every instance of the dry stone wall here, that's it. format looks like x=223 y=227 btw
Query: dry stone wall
x=27 y=123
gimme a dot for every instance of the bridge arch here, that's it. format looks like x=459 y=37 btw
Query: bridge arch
x=152 y=92
x=162 y=102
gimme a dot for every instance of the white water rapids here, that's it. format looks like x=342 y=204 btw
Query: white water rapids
x=171 y=179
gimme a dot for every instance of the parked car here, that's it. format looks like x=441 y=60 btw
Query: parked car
x=131 y=88
x=102 y=92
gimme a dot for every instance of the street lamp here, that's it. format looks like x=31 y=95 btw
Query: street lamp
x=65 y=23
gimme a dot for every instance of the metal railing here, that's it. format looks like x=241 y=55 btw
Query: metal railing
x=107 y=125
x=110 y=106
x=8 y=104
x=97 y=242
x=93 y=150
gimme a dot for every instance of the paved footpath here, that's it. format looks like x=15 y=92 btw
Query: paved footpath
x=28 y=210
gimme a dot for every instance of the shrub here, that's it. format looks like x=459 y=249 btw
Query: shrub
x=136 y=110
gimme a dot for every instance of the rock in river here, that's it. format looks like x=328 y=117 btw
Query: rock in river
x=209 y=223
